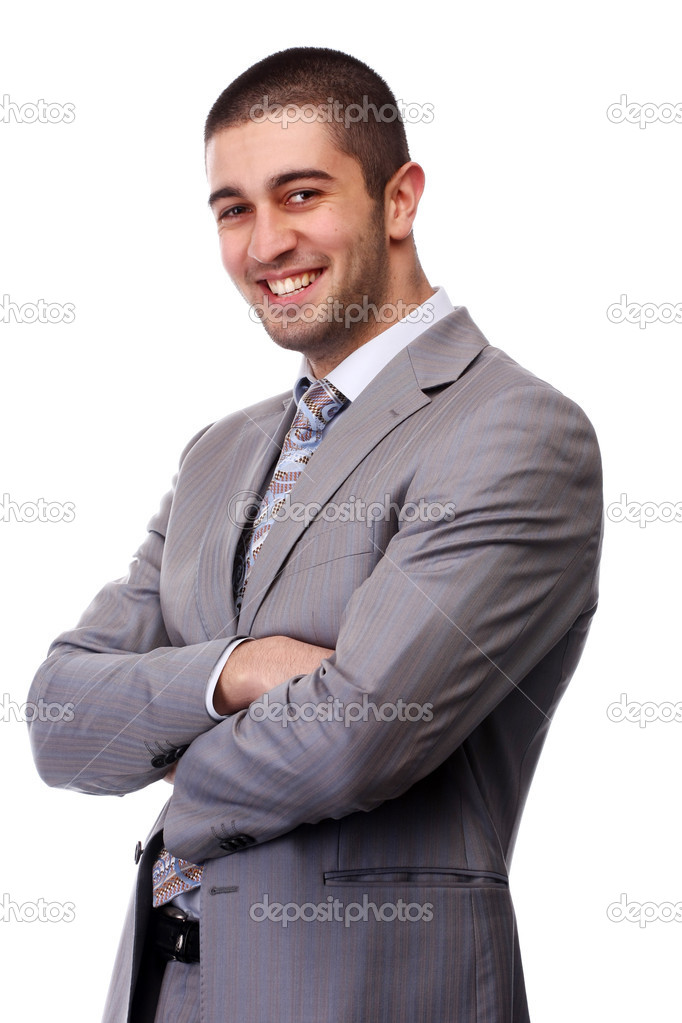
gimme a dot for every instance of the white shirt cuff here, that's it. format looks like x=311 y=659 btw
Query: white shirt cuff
x=215 y=675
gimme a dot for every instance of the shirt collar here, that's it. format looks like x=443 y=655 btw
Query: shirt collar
x=360 y=367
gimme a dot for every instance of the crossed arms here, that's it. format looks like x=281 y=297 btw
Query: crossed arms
x=453 y=614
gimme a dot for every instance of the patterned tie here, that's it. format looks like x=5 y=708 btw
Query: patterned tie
x=317 y=406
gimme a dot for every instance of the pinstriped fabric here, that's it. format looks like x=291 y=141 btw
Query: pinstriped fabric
x=172 y=875
x=179 y=1000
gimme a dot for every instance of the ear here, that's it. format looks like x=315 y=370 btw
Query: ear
x=402 y=195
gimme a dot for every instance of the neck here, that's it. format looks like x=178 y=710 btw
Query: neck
x=420 y=290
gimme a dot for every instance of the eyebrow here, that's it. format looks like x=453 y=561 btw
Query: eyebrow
x=229 y=192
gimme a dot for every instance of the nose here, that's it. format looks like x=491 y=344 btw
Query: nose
x=271 y=236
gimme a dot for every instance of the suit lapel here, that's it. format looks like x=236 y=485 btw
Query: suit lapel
x=251 y=456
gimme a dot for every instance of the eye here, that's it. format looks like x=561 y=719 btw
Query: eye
x=231 y=212
x=301 y=196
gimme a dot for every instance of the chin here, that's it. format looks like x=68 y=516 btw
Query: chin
x=296 y=338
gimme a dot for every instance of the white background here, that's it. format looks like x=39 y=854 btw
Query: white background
x=539 y=213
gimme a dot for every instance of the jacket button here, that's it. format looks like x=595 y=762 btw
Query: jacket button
x=237 y=842
x=159 y=761
x=138 y=852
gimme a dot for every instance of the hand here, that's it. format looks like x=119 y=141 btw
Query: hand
x=255 y=667
x=169 y=776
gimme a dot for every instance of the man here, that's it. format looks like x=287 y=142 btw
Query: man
x=344 y=636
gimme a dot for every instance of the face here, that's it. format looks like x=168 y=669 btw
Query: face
x=299 y=235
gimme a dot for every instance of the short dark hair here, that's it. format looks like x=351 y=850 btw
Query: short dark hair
x=305 y=76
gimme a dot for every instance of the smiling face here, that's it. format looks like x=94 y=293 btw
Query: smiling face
x=299 y=235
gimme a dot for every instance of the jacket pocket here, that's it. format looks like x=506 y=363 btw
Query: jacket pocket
x=432 y=876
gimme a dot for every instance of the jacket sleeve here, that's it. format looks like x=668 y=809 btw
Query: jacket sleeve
x=117 y=680
x=453 y=616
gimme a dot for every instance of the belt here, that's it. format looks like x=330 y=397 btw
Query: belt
x=176 y=936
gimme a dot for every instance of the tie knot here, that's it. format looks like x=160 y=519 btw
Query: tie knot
x=323 y=400
x=317 y=406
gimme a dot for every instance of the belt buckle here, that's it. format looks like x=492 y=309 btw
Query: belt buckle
x=181 y=918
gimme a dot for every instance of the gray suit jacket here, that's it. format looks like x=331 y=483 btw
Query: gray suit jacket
x=356 y=867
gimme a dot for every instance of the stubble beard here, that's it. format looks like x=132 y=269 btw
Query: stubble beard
x=345 y=320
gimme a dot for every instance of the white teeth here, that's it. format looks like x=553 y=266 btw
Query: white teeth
x=291 y=284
